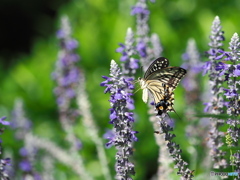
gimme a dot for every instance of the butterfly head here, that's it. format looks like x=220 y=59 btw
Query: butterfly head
x=142 y=83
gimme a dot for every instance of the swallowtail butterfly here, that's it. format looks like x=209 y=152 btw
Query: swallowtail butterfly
x=160 y=81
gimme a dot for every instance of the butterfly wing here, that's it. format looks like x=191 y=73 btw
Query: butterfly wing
x=158 y=64
x=170 y=76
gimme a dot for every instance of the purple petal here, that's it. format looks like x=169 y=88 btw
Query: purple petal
x=6 y=123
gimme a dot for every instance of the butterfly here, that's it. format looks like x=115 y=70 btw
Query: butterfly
x=160 y=81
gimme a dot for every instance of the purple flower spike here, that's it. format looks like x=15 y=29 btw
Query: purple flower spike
x=194 y=66
x=67 y=73
x=233 y=103
x=128 y=50
x=216 y=69
x=122 y=136
x=4 y=174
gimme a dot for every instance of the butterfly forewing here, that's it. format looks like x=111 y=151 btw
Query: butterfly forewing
x=170 y=76
x=158 y=64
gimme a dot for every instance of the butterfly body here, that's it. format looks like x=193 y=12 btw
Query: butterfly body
x=160 y=81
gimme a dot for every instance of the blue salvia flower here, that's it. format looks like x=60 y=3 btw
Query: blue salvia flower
x=236 y=162
x=23 y=126
x=230 y=71
x=67 y=76
x=196 y=129
x=216 y=43
x=19 y=120
x=216 y=103
x=174 y=150
x=193 y=65
x=28 y=160
x=122 y=120
x=141 y=11
x=4 y=163
x=33 y=143
x=130 y=64
x=67 y=73
x=157 y=48
x=191 y=84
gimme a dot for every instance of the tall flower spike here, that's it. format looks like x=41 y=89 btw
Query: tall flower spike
x=232 y=96
x=75 y=163
x=130 y=64
x=142 y=16
x=19 y=120
x=4 y=175
x=148 y=46
x=122 y=120
x=28 y=152
x=66 y=73
x=67 y=77
x=196 y=129
x=190 y=82
x=156 y=45
x=193 y=65
x=32 y=143
x=174 y=149
x=232 y=93
x=215 y=106
x=142 y=13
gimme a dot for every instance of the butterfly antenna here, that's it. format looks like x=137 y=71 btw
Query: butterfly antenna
x=135 y=81
x=137 y=90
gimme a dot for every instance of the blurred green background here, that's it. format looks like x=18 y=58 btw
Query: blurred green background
x=29 y=51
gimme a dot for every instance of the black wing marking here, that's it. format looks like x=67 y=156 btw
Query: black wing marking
x=158 y=64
